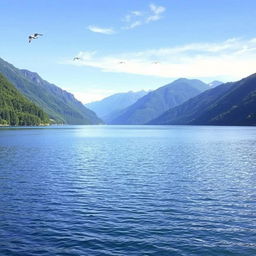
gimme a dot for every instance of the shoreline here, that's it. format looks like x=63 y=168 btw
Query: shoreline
x=7 y=125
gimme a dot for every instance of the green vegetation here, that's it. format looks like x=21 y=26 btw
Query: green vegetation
x=15 y=109
x=61 y=106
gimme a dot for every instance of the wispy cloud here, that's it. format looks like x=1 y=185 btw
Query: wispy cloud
x=137 y=18
x=137 y=13
x=86 y=55
x=134 y=24
x=233 y=58
x=133 y=19
x=157 y=11
x=106 y=31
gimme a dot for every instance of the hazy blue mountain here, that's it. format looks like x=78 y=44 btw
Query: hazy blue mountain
x=60 y=105
x=15 y=109
x=215 y=83
x=192 y=108
x=227 y=104
x=109 y=107
x=157 y=102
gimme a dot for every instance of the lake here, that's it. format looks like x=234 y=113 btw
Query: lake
x=128 y=190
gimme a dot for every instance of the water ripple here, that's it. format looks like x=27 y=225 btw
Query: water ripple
x=128 y=190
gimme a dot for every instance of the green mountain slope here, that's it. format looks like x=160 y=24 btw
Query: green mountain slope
x=227 y=104
x=60 y=105
x=157 y=102
x=15 y=109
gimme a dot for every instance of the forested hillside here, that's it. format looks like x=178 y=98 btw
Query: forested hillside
x=15 y=109
x=60 y=105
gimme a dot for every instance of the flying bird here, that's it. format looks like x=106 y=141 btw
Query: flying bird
x=121 y=62
x=33 y=36
x=76 y=58
x=155 y=62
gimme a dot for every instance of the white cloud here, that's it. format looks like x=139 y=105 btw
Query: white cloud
x=133 y=19
x=137 y=13
x=138 y=18
x=134 y=25
x=106 y=31
x=157 y=10
x=86 y=55
x=233 y=58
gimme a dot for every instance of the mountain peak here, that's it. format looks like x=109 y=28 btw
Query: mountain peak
x=158 y=101
x=195 y=83
x=111 y=105
x=60 y=105
x=231 y=103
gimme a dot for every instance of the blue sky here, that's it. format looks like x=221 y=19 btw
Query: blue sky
x=155 y=41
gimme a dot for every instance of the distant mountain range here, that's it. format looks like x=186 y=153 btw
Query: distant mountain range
x=226 y=104
x=27 y=99
x=110 y=107
x=60 y=105
x=15 y=109
x=215 y=83
x=158 y=101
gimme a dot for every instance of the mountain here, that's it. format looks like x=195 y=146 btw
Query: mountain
x=107 y=108
x=157 y=102
x=15 y=109
x=227 y=104
x=60 y=105
x=215 y=83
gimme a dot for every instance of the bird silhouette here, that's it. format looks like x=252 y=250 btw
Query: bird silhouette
x=33 y=36
x=76 y=58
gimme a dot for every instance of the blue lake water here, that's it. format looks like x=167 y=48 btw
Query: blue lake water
x=128 y=190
